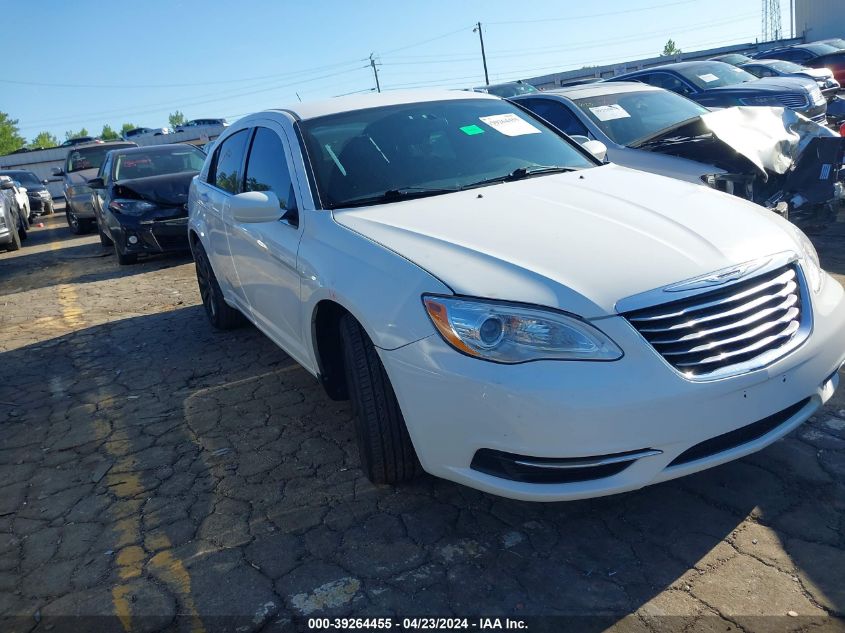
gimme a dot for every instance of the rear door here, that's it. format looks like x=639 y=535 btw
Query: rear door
x=224 y=180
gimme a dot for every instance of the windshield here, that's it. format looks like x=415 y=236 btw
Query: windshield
x=734 y=58
x=439 y=145
x=837 y=43
x=158 y=162
x=786 y=67
x=89 y=157
x=715 y=75
x=630 y=116
x=26 y=178
x=819 y=48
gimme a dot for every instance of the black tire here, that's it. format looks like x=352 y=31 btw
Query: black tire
x=105 y=240
x=125 y=259
x=387 y=454
x=22 y=232
x=15 y=244
x=220 y=314
x=74 y=223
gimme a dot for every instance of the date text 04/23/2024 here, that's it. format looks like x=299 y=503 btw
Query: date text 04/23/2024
x=414 y=624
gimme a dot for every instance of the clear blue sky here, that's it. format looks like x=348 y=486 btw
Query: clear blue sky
x=140 y=61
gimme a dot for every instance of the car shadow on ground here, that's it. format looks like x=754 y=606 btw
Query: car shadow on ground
x=184 y=470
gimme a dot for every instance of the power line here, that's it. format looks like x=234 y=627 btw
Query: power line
x=432 y=39
x=597 y=15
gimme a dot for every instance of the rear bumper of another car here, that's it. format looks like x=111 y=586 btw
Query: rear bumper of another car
x=554 y=431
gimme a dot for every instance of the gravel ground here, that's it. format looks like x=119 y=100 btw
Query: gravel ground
x=182 y=478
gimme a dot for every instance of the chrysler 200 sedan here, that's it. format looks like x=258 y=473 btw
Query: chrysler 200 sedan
x=502 y=309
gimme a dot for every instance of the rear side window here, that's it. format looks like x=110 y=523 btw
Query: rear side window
x=557 y=114
x=267 y=168
x=228 y=159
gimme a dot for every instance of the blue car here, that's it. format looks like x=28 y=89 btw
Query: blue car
x=720 y=85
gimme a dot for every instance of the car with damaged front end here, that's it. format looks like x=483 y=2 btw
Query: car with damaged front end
x=141 y=199
x=504 y=310
x=771 y=156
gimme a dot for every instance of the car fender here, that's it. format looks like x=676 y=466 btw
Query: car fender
x=379 y=287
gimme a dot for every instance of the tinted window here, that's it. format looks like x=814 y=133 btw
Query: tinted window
x=436 y=145
x=267 y=168
x=227 y=162
x=669 y=82
x=557 y=114
x=90 y=157
x=157 y=162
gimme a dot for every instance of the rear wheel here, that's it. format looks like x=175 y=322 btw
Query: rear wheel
x=220 y=314
x=105 y=240
x=387 y=454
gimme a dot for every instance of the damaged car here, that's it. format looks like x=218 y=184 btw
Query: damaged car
x=141 y=199
x=771 y=156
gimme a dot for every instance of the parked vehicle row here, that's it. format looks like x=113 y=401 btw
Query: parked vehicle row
x=14 y=221
x=40 y=200
x=503 y=309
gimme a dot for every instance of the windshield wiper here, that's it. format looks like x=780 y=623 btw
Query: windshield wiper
x=392 y=195
x=522 y=172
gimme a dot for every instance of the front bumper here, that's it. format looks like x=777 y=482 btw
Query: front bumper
x=456 y=406
x=39 y=203
x=154 y=235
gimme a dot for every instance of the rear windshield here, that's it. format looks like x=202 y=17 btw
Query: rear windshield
x=157 y=162
x=91 y=157
x=434 y=145
x=631 y=116
x=715 y=75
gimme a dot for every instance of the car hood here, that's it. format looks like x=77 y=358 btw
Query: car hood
x=768 y=84
x=82 y=176
x=579 y=241
x=816 y=73
x=166 y=190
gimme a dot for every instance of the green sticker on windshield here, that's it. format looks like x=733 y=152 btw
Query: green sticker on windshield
x=472 y=130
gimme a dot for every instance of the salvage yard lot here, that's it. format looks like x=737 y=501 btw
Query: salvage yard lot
x=152 y=466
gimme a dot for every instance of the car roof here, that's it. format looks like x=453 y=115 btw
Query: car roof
x=596 y=90
x=678 y=66
x=315 y=109
x=141 y=150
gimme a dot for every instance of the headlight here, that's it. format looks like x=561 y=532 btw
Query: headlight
x=810 y=259
x=507 y=333
x=131 y=207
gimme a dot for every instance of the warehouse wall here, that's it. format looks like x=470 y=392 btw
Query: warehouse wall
x=818 y=19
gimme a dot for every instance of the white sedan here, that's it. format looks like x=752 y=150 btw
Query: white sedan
x=502 y=309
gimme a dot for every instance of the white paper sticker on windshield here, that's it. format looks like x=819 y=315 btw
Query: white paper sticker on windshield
x=708 y=77
x=610 y=112
x=509 y=124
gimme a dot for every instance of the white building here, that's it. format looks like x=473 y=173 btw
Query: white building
x=819 y=19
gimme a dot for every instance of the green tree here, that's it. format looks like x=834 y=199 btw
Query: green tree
x=670 y=50
x=71 y=134
x=176 y=118
x=109 y=134
x=10 y=136
x=126 y=127
x=43 y=140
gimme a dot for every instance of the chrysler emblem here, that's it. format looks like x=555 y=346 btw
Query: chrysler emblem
x=719 y=277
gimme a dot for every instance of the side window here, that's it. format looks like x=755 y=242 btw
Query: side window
x=670 y=82
x=225 y=171
x=558 y=115
x=267 y=168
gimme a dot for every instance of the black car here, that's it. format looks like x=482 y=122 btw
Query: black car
x=508 y=89
x=142 y=195
x=814 y=55
x=781 y=68
x=720 y=85
x=40 y=200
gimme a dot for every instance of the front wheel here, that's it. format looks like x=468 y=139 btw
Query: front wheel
x=77 y=226
x=125 y=259
x=15 y=244
x=387 y=454
x=105 y=240
x=220 y=314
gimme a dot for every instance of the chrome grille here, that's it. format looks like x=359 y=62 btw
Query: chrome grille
x=793 y=101
x=709 y=333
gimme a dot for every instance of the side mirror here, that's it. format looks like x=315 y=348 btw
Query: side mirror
x=580 y=138
x=58 y=171
x=255 y=206
x=7 y=184
x=96 y=183
x=44 y=182
x=596 y=148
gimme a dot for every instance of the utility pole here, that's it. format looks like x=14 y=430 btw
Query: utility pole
x=375 y=72
x=483 y=56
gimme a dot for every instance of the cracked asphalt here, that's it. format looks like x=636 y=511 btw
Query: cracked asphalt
x=158 y=475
